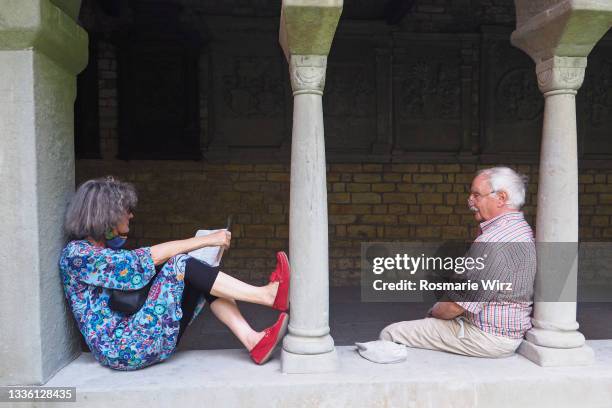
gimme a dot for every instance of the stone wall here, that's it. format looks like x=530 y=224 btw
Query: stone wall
x=402 y=143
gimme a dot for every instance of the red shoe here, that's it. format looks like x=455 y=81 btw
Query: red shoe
x=272 y=336
x=281 y=275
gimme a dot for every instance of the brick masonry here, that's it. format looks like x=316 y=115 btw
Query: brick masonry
x=367 y=202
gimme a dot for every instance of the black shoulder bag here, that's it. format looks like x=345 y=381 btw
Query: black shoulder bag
x=130 y=301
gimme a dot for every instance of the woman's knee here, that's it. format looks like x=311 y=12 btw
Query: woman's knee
x=174 y=267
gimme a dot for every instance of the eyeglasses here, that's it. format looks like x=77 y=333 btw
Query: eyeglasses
x=478 y=196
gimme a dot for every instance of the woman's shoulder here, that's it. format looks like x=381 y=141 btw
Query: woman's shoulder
x=72 y=255
x=77 y=247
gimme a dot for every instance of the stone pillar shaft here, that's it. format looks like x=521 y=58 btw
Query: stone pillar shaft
x=558 y=35
x=308 y=347
x=306 y=32
x=557 y=217
x=554 y=320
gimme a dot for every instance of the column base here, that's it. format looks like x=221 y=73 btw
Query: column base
x=292 y=363
x=556 y=357
x=555 y=338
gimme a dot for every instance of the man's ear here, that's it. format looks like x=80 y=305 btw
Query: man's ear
x=503 y=198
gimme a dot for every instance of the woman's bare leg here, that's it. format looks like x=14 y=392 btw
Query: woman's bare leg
x=227 y=311
x=228 y=287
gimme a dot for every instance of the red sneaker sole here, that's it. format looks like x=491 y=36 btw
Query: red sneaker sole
x=284 y=256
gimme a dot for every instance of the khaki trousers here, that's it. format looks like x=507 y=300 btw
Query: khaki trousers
x=455 y=336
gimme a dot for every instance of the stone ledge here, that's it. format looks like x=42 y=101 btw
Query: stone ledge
x=227 y=378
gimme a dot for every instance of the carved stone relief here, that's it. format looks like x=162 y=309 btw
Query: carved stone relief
x=511 y=102
x=597 y=98
x=594 y=104
x=350 y=90
x=427 y=96
x=517 y=96
x=428 y=89
x=250 y=93
x=249 y=88
x=349 y=105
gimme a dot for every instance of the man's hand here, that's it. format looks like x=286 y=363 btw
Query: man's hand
x=446 y=310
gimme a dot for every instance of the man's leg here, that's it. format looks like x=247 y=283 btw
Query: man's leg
x=488 y=345
x=444 y=335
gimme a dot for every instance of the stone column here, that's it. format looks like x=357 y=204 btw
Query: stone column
x=558 y=35
x=306 y=34
x=554 y=339
x=41 y=51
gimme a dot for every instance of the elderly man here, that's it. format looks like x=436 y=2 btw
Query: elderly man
x=488 y=323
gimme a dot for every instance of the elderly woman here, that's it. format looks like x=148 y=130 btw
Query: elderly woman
x=93 y=264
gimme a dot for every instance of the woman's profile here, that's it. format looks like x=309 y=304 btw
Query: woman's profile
x=93 y=264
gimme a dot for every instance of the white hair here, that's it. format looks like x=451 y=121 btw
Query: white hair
x=508 y=180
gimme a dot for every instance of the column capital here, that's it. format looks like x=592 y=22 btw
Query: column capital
x=307 y=27
x=561 y=75
x=569 y=28
x=43 y=26
x=70 y=7
x=307 y=73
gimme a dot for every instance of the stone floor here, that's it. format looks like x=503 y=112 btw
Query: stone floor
x=351 y=320
x=227 y=378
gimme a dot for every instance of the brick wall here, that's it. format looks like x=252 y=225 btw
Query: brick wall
x=367 y=202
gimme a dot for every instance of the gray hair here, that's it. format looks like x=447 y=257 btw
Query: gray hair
x=508 y=180
x=97 y=206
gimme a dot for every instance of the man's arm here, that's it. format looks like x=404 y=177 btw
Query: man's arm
x=446 y=310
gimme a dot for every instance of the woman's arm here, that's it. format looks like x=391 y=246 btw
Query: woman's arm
x=164 y=251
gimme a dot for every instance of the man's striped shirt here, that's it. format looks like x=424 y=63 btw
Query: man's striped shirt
x=508 y=247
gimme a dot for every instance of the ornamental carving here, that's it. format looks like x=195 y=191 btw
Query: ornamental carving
x=511 y=102
x=595 y=96
x=517 y=96
x=561 y=74
x=429 y=89
x=308 y=73
x=252 y=87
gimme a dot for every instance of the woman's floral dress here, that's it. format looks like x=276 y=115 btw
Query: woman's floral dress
x=117 y=340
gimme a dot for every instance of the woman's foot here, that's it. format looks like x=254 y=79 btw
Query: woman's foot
x=269 y=340
x=281 y=275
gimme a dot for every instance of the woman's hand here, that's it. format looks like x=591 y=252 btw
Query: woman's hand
x=221 y=238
